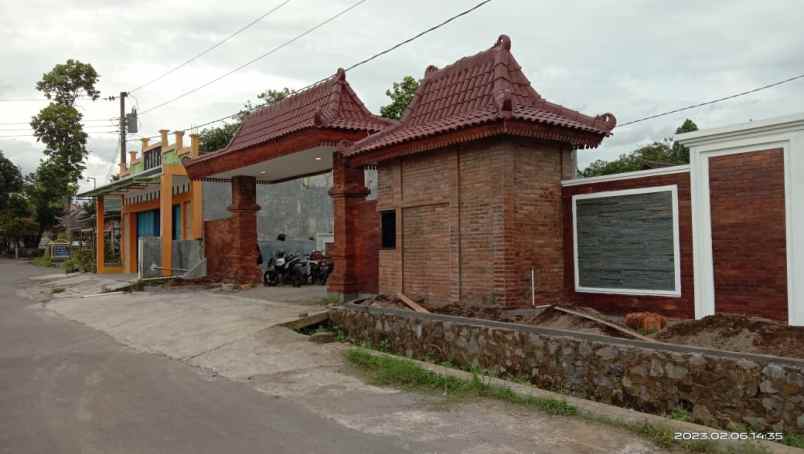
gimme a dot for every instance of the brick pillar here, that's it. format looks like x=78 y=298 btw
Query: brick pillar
x=100 y=228
x=348 y=189
x=243 y=251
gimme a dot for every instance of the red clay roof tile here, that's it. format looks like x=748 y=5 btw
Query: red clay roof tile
x=479 y=89
x=330 y=104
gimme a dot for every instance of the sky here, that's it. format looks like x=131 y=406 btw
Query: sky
x=630 y=57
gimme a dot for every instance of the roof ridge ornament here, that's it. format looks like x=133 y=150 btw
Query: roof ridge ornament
x=340 y=75
x=606 y=121
x=431 y=69
x=504 y=42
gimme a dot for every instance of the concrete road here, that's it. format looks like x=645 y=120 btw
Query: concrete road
x=190 y=370
x=67 y=388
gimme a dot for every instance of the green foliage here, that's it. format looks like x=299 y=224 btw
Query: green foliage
x=81 y=259
x=213 y=139
x=657 y=154
x=10 y=180
x=44 y=261
x=59 y=127
x=401 y=95
x=679 y=414
x=45 y=191
x=386 y=370
x=794 y=440
x=66 y=82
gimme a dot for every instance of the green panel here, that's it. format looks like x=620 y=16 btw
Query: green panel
x=138 y=167
x=170 y=158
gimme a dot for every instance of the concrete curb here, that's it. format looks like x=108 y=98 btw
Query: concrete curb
x=587 y=407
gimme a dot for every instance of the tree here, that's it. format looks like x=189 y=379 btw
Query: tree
x=10 y=180
x=658 y=154
x=58 y=125
x=401 y=95
x=66 y=82
x=47 y=190
x=213 y=139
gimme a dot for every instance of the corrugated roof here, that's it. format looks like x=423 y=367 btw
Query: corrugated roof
x=330 y=104
x=479 y=89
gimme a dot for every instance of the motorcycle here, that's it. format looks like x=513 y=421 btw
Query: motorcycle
x=282 y=269
x=320 y=268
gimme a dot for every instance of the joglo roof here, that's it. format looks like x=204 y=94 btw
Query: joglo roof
x=484 y=88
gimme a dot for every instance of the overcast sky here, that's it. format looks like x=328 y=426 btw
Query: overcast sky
x=631 y=58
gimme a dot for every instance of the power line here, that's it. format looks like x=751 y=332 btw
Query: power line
x=713 y=101
x=82 y=121
x=260 y=57
x=213 y=47
x=364 y=61
x=31 y=135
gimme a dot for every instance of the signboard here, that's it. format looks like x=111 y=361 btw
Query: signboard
x=59 y=251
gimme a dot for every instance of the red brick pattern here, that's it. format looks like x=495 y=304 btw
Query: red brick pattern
x=682 y=307
x=354 y=253
x=748 y=233
x=474 y=220
x=231 y=243
x=426 y=259
x=367 y=245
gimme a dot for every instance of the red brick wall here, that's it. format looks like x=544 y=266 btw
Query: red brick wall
x=367 y=244
x=426 y=264
x=748 y=233
x=684 y=306
x=217 y=241
x=472 y=220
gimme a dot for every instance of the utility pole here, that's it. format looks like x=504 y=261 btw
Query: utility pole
x=123 y=95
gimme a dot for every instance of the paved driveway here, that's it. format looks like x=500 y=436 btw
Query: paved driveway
x=222 y=376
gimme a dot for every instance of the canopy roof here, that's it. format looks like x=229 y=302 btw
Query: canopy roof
x=126 y=184
x=322 y=115
x=480 y=90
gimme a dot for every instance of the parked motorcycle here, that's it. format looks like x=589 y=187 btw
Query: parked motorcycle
x=320 y=268
x=282 y=269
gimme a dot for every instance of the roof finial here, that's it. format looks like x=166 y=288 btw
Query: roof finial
x=504 y=41
x=340 y=75
x=430 y=69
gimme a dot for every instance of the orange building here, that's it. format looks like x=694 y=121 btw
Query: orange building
x=158 y=200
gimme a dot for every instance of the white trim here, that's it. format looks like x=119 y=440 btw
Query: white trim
x=786 y=124
x=673 y=189
x=702 y=222
x=627 y=175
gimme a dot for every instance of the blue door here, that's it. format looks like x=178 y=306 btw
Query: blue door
x=148 y=223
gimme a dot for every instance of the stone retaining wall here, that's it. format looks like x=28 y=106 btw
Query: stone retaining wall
x=720 y=389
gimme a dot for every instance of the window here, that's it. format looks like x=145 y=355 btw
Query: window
x=626 y=242
x=388 y=229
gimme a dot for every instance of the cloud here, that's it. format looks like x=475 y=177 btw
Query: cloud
x=632 y=58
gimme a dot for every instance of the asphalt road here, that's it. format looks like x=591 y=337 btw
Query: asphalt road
x=67 y=388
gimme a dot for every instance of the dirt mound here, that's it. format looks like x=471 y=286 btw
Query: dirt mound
x=384 y=301
x=738 y=333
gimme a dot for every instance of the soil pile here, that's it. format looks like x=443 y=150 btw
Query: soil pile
x=739 y=334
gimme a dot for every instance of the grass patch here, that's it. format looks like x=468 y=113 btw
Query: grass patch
x=44 y=261
x=796 y=441
x=405 y=374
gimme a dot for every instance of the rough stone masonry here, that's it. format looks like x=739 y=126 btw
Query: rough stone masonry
x=720 y=389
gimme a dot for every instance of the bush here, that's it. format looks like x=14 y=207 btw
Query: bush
x=44 y=260
x=81 y=259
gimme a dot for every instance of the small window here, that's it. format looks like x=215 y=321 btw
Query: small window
x=388 y=229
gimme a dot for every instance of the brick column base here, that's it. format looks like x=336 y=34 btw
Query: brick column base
x=348 y=189
x=243 y=252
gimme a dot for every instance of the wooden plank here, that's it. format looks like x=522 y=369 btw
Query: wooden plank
x=304 y=322
x=412 y=304
x=606 y=323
